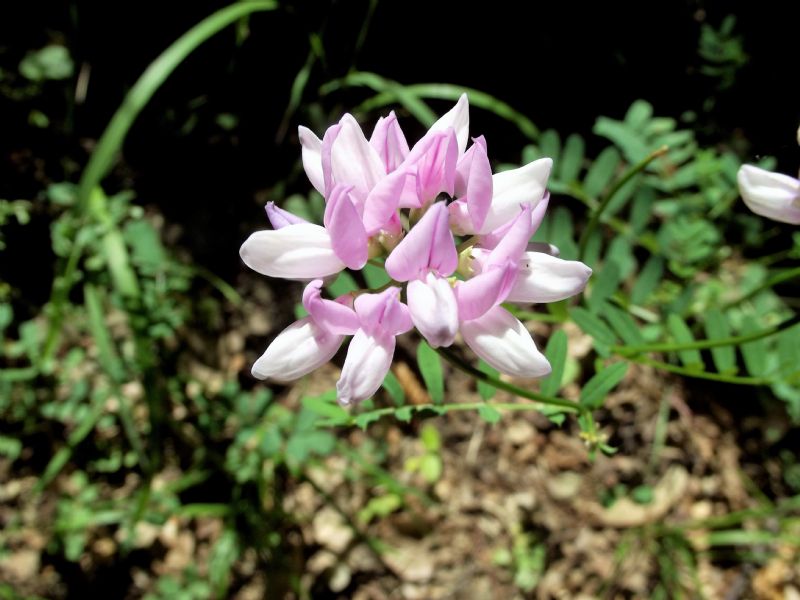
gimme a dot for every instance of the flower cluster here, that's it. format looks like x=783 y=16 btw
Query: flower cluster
x=412 y=205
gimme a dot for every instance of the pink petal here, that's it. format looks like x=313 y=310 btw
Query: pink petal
x=465 y=164
x=383 y=313
x=281 y=218
x=348 y=237
x=456 y=118
x=515 y=240
x=477 y=185
x=389 y=141
x=479 y=294
x=301 y=251
x=312 y=157
x=545 y=278
x=514 y=188
x=436 y=165
x=382 y=202
x=433 y=309
x=298 y=350
x=353 y=161
x=428 y=246
x=490 y=240
x=368 y=360
x=330 y=316
x=326 y=155
x=503 y=342
x=460 y=221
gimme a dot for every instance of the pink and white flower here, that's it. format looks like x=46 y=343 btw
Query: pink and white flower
x=373 y=188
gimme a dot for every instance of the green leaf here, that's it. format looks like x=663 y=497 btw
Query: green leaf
x=375 y=277
x=430 y=366
x=430 y=438
x=594 y=392
x=562 y=233
x=683 y=335
x=601 y=172
x=631 y=142
x=364 y=419
x=324 y=407
x=220 y=562
x=550 y=144
x=344 y=284
x=649 y=277
x=489 y=413
x=593 y=326
x=571 y=159
x=556 y=353
x=603 y=285
x=486 y=390
x=622 y=322
x=404 y=413
x=755 y=353
x=717 y=327
x=393 y=387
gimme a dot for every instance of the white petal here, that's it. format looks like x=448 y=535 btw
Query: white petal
x=298 y=350
x=353 y=161
x=503 y=342
x=545 y=278
x=770 y=195
x=457 y=118
x=301 y=251
x=434 y=310
x=514 y=188
x=312 y=157
x=367 y=362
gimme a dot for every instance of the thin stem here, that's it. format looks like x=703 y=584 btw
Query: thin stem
x=771 y=282
x=705 y=344
x=595 y=218
x=700 y=374
x=500 y=384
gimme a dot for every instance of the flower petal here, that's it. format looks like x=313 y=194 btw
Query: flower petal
x=381 y=203
x=434 y=157
x=368 y=360
x=312 y=157
x=298 y=350
x=525 y=185
x=512 y=245
x=429 y=245
x=488 y=289
x=326 y=154
x=477 y=184
x=545 y=278
x=503 y=342
x=301 y=251
x=348 y=237
x=332 y=317
x=433 y=309
x=281 y=218
x=389 y=142
x=457 y=118
x=383 y=313
x=353 y=161
x=772 y=195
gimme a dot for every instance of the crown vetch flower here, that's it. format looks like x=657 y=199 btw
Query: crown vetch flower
x=383 y=197
x=772 y=195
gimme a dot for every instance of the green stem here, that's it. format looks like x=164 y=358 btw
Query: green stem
x=771 y=282
x=700 y=374
x=705 y=344
x=457 y=362
x=595 y=218
x=110 y=142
